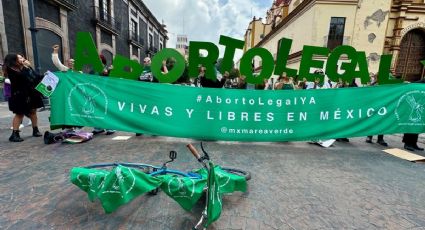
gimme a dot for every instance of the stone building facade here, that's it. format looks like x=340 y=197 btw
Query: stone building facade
x=124 y=27
x=377 y=27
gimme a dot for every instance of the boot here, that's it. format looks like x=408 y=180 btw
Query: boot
x=369 y=139
x=15 y=136
x=36 y=132
x=381 y=141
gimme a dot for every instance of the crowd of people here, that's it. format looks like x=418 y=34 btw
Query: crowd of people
x=24 y=100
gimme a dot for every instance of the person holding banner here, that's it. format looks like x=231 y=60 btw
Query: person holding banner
x=58 y=63
x=24 y=99
x=147 y=75
x=284 y=83
x=208 y=83
x=410 y=140
x=374 y=81
x=105 y=72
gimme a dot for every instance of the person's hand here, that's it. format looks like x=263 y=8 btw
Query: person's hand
x=55 y=49
x=27 y=63
x=164 y=63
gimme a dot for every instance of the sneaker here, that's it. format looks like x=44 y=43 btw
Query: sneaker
x=21 y=126
x=138 y=134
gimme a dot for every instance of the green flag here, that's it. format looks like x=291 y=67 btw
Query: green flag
x=228 y=182
x=214 y=196
x=184 y=190
x=122 y=185
x=88 y=180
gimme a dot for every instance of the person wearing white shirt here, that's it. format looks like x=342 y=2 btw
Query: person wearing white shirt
x=56 y=61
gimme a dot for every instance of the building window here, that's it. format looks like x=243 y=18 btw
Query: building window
x=150 y=41
x=133 y=12
x=336 y=32
x=105 y=9
x=135 y=51
x=133 y=29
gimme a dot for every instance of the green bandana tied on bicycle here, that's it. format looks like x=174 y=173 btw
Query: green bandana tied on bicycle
x=122 y=184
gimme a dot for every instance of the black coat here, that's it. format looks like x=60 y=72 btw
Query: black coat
x=24 y=97
x=208 y=83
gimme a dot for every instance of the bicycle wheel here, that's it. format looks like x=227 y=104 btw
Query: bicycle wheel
x=238 y=172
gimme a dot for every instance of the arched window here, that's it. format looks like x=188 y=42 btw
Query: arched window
x=45 y=40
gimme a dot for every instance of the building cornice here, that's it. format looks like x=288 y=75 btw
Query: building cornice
x=298 y=11
x=285 y=21
x=150 y=17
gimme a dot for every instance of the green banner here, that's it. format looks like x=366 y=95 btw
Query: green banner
x=236 y=115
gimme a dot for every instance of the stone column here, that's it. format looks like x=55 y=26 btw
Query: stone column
x=3 y=38
x=27 y=34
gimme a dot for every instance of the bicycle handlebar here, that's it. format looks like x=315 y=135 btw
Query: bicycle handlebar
x=194 y=152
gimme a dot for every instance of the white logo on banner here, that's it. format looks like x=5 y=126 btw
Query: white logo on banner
x=410 y=108
x=94 y=105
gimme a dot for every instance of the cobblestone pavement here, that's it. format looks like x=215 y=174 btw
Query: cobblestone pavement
x=294 y=185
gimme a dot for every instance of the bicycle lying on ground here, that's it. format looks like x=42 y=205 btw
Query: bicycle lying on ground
x=126 y=181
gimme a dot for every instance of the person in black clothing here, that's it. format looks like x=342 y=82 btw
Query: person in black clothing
x=25 y=100
x=374 y=81
x=105 y=73
x=147 y=75
x=208 y=83
x=410 y=140
x=352 y=84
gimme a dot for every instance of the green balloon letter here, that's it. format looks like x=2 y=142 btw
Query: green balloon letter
x=363 y=72
x=282 y=58
x=208 y=62
x=174 y=73
x=246 y=65
x=307 y=62
x=86 y=53
x=384 y=76
x=349 y=68
x=231 y=45
x=121 y=63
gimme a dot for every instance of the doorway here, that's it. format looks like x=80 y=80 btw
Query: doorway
x=412 y=52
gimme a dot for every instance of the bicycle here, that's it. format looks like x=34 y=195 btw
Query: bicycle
x=118 y=186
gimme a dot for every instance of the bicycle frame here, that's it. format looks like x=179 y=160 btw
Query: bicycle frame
x=158 y=171
x=155 y=172
x=203 y=160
